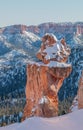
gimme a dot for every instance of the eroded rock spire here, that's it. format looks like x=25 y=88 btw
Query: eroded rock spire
x=45 y=78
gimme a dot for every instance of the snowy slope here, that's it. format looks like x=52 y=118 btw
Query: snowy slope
x=72 y=121
x=17 y=46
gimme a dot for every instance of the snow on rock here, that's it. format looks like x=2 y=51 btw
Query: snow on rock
x=51 y=64
x=53 y=49
x=43 y=100
x=57 y=64
x=72 y=121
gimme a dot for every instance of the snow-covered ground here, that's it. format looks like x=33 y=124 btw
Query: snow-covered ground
x=74 y=106
x=72 y=121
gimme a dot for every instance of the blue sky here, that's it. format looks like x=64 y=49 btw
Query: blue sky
x=39 y=11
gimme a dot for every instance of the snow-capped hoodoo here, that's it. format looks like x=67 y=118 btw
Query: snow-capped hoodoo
x=45 y=78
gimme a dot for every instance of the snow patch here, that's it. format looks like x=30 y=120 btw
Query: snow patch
x=32 y=36
x=52 y=35
x=72 y=121
x=56 y=50
x=43 y=100
x=51 y=64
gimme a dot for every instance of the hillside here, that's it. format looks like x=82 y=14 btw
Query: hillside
x=16 y=49
x=20 y=43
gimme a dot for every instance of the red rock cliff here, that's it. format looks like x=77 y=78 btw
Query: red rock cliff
x=45 y=78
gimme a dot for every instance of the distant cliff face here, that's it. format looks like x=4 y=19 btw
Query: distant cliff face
x=45 y=78
x=59 y=29
x=80 y=92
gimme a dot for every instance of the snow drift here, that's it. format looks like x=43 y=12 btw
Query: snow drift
x=72 y=121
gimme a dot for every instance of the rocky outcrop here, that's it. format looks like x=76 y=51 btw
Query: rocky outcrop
x=45 y=78
x=80 y=93
x=53 y=50
x=14 y=29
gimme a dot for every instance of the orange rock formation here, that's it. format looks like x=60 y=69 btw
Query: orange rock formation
x=45 y=78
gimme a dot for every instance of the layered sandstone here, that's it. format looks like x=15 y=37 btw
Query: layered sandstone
x=80 y=92
x=45 y=78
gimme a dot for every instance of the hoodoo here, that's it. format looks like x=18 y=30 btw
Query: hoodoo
x=44 y=78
